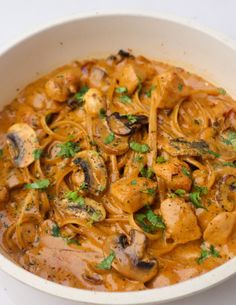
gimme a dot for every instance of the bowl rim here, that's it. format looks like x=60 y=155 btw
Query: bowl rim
x=157 y=295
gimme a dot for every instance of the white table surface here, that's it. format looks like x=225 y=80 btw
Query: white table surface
x=19 y=16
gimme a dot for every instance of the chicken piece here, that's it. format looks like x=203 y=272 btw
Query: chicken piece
x=127 y=78
x=220 y=228
x=94 y=102
x=63 y=84
x=175 y=174
x=133 y=194
x=170 y=88
x=180 y=220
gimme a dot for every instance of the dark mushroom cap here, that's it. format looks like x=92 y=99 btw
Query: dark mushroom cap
x=131 y=259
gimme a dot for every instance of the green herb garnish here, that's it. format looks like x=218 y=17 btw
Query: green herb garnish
x=211 y=152
x=121 y=90
x=149 y=92
x=180 y=192
x=149 y=221
x=206 y=253
x=1 y=153
x=230 y=164
x=186 y=172
x=125 y=99
x=146 y=172
x=37 y=154
x=222 y=91
x=110 y=138
x=68 y=149
x=141 y=148
x=40 y=184
x=80 y=95
x=231 y=138
x=102 y=113
x=83 y=186
x=131 y=118
x=149 y=191
x=73 y=197
x=138 y=158
x=160 y=159
x=180 y=87
x=196 y=199
x=56 y=231
x=133 y=182
x=106 y=264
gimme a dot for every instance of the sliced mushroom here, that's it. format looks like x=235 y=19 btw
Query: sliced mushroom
x=226 y=194
x=184 y=147
x=88 y=209
x=22 y=142
x=131 y=258
x=132 y=197
x=123 y=125
x=117 y=145
x=94 y=171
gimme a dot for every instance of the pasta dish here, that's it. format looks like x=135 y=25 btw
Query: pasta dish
x=118 y=174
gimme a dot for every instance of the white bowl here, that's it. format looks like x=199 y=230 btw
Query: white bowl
x=162 y=38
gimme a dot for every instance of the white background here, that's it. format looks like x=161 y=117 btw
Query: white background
x=20 y=16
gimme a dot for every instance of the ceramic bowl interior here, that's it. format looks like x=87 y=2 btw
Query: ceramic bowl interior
x=161 y=38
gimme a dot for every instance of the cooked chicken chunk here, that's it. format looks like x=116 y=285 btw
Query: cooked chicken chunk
x=133 y=194
x=180 y=220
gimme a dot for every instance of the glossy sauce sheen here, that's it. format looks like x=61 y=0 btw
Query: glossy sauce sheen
x=118 y=174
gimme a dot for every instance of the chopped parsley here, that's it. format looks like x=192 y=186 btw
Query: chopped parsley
x=110 y=138
x=149 y=92
x=180 y=192
x=138 y=158
x=149 y=221
x=149 y=191
x=211 y=152
x=141 y=148
x=73 y=197
x=79 y=96
x=131 y=118
x=230 y=164
x=106 y=263
x=102 y=113
x=222 y=91
x=121 y=90
x=83 y=186
x=160 y=159
x=37 y=154
x=206 y=253
x=56 y=231
x=146 y=172
x=68 y=149
x=203 y=190
x=133 y=182
x=125 y=99
x=195 y=198
x=40 y=184
x=180 y=87
x=139 y=84
x=186 y=172
x=231 y=138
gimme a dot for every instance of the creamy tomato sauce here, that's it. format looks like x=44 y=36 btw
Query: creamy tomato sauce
x=118 y=174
